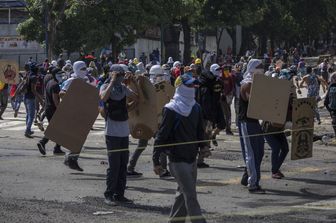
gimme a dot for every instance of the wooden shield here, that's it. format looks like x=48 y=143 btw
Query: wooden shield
x=143 y=119
x=303 y=128
x=164 y=92
x=75 y=116
x=9 y=72
x=269 y=99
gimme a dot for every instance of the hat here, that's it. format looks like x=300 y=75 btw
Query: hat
x=215 y=69
x=198 y=61
x=177 y=63
x=185 y=79
x=117 y=68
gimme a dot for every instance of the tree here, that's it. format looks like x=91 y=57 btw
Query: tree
x=220 y=14
x=72 y=24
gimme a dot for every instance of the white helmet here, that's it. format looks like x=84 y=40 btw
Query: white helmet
x=54 y=63
x=177 y=63
x=156 y=74
x=215 y=69
x=155 y=70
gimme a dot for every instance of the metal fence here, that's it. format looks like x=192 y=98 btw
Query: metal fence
x=22 y=58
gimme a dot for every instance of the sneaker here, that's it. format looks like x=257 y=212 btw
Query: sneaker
x=281 y=174
x=203 y=165
x=229 y=132
x=110 y=201
x=16 y=112
x=165 y=174
x=72 y=164
x=40 y=126
x=41 y=148
x=122 y=199
x=276 y=176
x=133 y=173
x=58 y=151
x=214 y=141
x=256 y=190
x=244 y=179
x=29 y=134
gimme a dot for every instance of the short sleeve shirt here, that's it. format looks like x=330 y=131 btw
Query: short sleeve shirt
x=117 y=128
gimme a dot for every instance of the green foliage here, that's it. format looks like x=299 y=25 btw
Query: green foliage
x=89 y=24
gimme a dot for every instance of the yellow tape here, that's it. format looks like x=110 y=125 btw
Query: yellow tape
x=202 y=141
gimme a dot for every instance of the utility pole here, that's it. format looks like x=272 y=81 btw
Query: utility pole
x=46 y=28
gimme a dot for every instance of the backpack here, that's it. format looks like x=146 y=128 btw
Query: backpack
x=22 y=87
x=332 y=98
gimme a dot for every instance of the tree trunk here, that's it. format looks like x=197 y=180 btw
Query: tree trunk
x=51 y=37
x=233 y=34
x=114 y=48
x=219 y=34
x=263 y=44
x=186 y=39
x=171 y=40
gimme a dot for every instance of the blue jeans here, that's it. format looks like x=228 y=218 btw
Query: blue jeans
x=16 y=102
x=30 y=111
x=279 y=145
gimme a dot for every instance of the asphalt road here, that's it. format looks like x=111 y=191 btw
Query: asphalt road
x=42 y=189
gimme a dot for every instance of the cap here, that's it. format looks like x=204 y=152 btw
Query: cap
x=116 y=68
x=198 y=61
x=185 y=79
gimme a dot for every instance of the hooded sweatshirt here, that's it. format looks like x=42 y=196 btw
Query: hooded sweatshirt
x=209 y=94
x=248 y=78
x=181 y=122
x=251 y=67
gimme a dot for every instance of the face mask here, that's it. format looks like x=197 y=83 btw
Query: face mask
x=82 y=73
x=119 y=80
x=258 y=71
x=59 y=78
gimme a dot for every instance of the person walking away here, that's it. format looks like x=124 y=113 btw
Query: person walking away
x=52 y=100
x=156 y=75
x=209 y=93
x=227 y=97
x=182 y=122
x=30 y=97
x=80 y=72
x=330 y=100
x=114 y=94
x=253 y=145
x=312 y=81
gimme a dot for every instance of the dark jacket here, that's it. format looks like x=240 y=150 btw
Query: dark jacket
x=209 y=94
x=176 y=128
x=327 y=99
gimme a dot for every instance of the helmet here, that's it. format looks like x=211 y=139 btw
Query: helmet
x=155 y=70
x=198 y=61
x=54 y=63
x=135 y=61
x=177 y=63
x=215 y=69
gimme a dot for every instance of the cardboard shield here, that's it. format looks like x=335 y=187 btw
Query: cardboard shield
x=269 y=99
x=9 y=72
x=303 y=128
x=142 y=120
x=164 y=92
x=74 y=117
